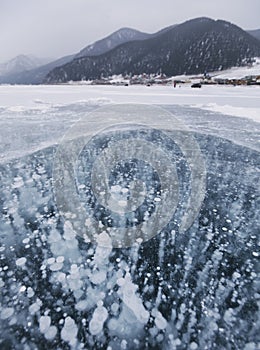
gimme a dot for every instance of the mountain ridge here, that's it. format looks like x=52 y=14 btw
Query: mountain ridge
x=21 y=63
x=195 y=46
x=109 y=42
x=123 y=36
x=37 y=74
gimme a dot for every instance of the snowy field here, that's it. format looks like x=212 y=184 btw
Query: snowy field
x=48 y=111
x=176 y=189
x=242 y=101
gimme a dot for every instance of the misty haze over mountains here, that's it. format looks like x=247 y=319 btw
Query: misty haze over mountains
x=192 y=47
x=255 y=33
x=22 y=63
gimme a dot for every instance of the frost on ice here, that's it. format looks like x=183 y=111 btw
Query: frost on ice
x=195 y=290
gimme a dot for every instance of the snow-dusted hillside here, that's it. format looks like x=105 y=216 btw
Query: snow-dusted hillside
x=240 y=72
x=252 y=69
x=119 y=37
x=21 y=63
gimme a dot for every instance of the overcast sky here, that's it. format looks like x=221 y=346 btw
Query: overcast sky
x=54 y=28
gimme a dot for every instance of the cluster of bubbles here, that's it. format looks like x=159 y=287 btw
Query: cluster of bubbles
x=123 y=169
x=130 y=177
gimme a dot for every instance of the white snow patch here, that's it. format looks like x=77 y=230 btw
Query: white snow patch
x=239 y=72
x=243 y=112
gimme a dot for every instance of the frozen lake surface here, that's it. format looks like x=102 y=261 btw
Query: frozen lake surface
x=48 y=111
x=63 y=283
